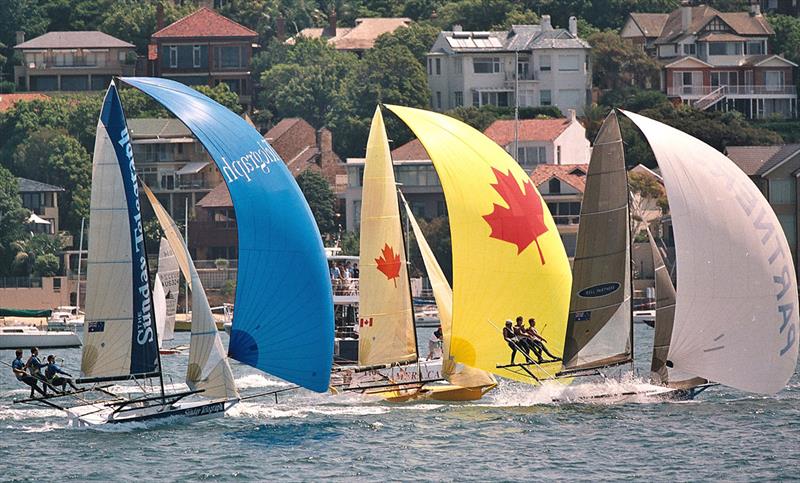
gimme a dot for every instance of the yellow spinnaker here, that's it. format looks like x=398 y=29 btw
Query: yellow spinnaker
x=457 y=374
x=508 y=259
x=386 y=318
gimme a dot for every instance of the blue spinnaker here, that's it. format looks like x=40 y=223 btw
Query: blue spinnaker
x=283 y=318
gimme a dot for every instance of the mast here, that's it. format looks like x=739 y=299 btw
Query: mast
x=407 y=249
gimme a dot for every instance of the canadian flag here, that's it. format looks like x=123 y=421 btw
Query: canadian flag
x=365 y=322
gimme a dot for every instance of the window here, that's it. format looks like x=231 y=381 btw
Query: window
x=568 y=63
x=789 y=225
x=438 y=66
x=725 y=48
x=545 y=98
x=522 y=69
x=532 y=155
x=430 y=66
x=554 y=186
x=458 y=98
x=56 y=284
x=227 y=57
x=494 y=98
x=774 y=80
x=49 y=200
x=173 y=56
x=196 y=56
x=438 y=99
x=459 y=66
x=689 y=49
x=755 y=47
x=558 y=154
x=486 y=65
x=716 y=25
x=441 y=208
x=686 y=78
x=724 y=78
x=782 y=191
x=476 y=98
x=544 y=62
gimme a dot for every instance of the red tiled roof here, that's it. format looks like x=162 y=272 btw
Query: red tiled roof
x=7 y=101
x=219 y=197
x=545 y=172
x=410 y=151
x=204 y=23
x=281 y=128
x=502 y=130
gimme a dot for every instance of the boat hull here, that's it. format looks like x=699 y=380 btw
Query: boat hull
x=43 y=340
x=190 y=411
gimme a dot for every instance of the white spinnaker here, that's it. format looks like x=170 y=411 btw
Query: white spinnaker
x=170 y=279
x=159 y=307
x=208 y=364
x=736 y=319
x=109 y=277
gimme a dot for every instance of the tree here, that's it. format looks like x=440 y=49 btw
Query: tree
x=418 y=38
x=635 y=99
x=46 y=265
x=12 y=217
x=437 y=234
x=787 y=36
x=320 y=199
x=223 y=94
x=617 y=62
x=482 y=14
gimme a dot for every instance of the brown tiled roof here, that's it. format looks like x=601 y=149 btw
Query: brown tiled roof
x=410 y=151
x=544 y=172
x=741 y=22
x=651 y=24
x=721 y=37
x=74 y=40
x=281 y=128
x=756 y=160
x=502 y=130
x=7 y=101
x=219 y=197
x=360 y=37
x=204 y=22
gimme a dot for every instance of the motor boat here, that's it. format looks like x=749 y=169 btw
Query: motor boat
x=24 y=336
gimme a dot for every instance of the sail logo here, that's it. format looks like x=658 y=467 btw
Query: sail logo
x=144 y=323
x=365 y=322
x=599 y=290
x=250 y=163
x=755 y=206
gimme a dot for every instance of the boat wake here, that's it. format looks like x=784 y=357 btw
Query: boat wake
x=251 y=381
x=254 y=410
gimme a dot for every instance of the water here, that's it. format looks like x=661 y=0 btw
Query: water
x=724 y=434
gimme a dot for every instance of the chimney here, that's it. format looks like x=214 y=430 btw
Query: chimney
x=571 y=116
x=755 y=8
x=324 y=141
x=20 y=37
x=573 y=26
x=546 y=25
x=159 y=16
x=281 y=28
x=457 y=28
x=686 y=15
x=332 y=23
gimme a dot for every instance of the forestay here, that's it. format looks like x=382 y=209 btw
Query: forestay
x=169 y=275
x=283 y=322
x=599 y=332
x=457 y=374
x=119 y=335
x=386 y=317
x=736 y=319
x=508 y=259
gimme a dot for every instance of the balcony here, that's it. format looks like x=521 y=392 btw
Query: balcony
x=697 y=92
x=511 y=77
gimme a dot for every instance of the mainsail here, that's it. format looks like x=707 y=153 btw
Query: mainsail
x=386 y=317
x=508 y=258
x=736 y=309
x=159 y=308
x=599 y=331
x=457 y=374
x=208 y=365
x=170 y=278
x=120 y=339
x=283 y=322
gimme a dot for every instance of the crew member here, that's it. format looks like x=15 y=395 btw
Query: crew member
x=34 y=367
x=513 y=341
x=52 y=374
x=435 y=345
x=19 y=371
x=538 y=342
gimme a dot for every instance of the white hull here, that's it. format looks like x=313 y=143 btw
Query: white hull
x=350 y=377
x=191 y=411
x=26 y=337
x=644 y=317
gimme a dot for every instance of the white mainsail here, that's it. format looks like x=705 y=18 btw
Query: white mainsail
x=159 y=307
x=736 y=311
x=169 y=276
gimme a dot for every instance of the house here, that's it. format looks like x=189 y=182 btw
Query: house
x=538 y=64
x=718 y=60
x=72 y=61
x=781 y=7
x=7 y=101
x=356 y=39
x=173 y=163
x=42 y=200
x=539 y=142
x=562 y=187
x=204 y=48
x=212 y=233
x=774 y=170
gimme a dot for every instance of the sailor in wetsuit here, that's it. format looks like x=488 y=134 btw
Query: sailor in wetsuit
x=510 y=336
x=19 y=371
x=34 y=366
x=537 y=341
x=52 y=374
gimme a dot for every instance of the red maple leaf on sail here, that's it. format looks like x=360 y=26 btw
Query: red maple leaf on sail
x=522 y=223
x=389 y=263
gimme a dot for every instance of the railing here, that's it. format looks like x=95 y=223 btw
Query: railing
x=20 y=282
x=566 y=219
x=512 y=76
x=710 y=99
x=344 y=287
x=206 y=264
x=741 y=90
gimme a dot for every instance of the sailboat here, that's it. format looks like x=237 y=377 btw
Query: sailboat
x=166 y=285
x=387 y=334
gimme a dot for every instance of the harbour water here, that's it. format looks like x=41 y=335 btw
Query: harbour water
x=723 y=434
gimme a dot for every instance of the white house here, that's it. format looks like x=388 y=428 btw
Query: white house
x=544 y=65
